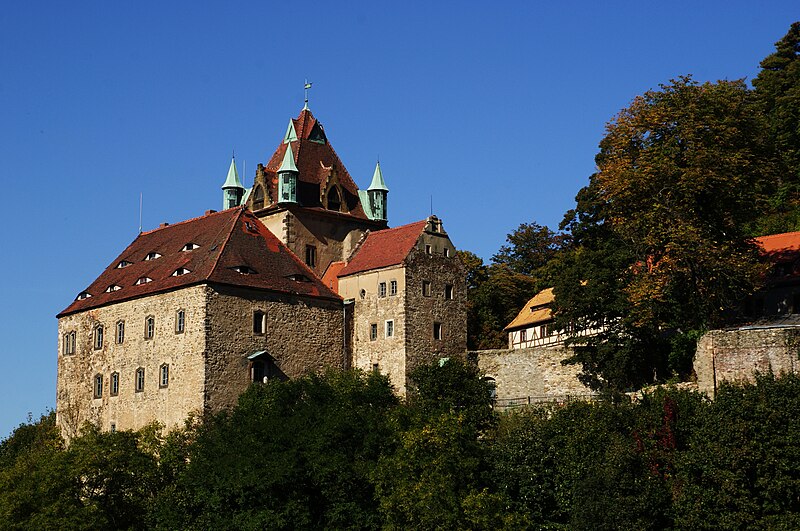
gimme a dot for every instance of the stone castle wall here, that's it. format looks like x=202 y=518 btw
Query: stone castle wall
x=129 y=409
x=735 y=355
x=388 y=353
x=531 y=372
x=302 y=335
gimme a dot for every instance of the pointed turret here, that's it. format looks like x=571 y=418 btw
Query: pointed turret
x=287 y=177
x=232 y=190
x=377 y=193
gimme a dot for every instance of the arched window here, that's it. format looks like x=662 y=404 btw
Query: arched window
x=98 y=386
x=334 y=199
x=258 y=198
x=149 y=327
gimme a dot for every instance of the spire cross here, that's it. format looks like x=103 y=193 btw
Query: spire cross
x=306 y=87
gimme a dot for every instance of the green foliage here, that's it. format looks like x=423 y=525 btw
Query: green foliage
x=529 y=248
x=295 y=454
x=495 y=294
x=777 y=90
x=660 y=233
x=740 y=469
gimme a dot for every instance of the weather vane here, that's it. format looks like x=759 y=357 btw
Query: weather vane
x=307 y=86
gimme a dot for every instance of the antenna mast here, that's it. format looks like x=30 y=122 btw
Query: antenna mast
x=140 y=212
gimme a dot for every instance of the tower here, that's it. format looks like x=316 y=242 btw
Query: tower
x=287 y=177
x=232 y=190
x=377 y=192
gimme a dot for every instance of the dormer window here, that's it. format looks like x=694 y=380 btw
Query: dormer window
x=152 y=256
x=143 y=280
x=297 y=277
x=123 y=263
x=113 y=287
x=83 y=295
x=190 y=247
x=334 y=200
x=244 y=270
x=180 y=271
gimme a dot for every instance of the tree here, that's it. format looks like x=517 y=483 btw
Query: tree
x=529 y=248
x=291 y=455
x=660 y=233
x=777 y=90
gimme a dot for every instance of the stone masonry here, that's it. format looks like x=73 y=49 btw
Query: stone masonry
x=736 y=355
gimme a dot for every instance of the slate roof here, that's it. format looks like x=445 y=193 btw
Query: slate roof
x=384 y=248
x=537 y=310
x=315 y=160
x=225 y=240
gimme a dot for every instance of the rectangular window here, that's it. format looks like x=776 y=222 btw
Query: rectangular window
x=113 y=428
x=426 y=288
x=393 y=288
x=375 y=367
x=164 y=381
x=382 y=289
x=98 y=337
x=259 y=322
x=180 y=321
x=70 y=339
x=120 y=337
x=311 y=255
x=437 y=330
x=373 y=331
x=448 y=292
x=389 y=328
x=446 y=252
x=149 y=327
x=139 y=380
x=98 y=386
x=428 y=249
x=114 y=383
x=523 y=336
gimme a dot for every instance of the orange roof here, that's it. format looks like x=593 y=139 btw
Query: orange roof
x=224 y=241
x=384 y=248
x=536 y=311
x=331 y=276
x=788 y=241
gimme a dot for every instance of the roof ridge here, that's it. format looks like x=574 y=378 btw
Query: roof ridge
x=214 y=213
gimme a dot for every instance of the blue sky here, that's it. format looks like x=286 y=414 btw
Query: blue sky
x=492 y=111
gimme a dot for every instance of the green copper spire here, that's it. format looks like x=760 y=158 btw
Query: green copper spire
x=232 y=190
x=233 y=177
x=288 y=160
x=377 y=180
x=291 y=134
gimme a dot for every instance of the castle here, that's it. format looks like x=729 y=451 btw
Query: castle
x=296 y=274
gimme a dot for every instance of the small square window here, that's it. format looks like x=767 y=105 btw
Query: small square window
x=393 y=288
x=426 y=288
x=98 y=386
x=98 y=337
x=139 y=386
x=180 y=321
x=382 y=289
x=376 y=367
x=149 y=327
x=259 y=322
x=114 y=383
x=120 y=332
x=437 y=330
x=389 y=328
x=373 y=331
x=164 y=380
x=448 y=291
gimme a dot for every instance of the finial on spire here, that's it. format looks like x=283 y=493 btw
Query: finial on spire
x=233 y=153
x=306 y=87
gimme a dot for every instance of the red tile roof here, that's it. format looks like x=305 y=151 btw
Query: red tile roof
x=225 y=240
x=316 y=162
x=384 y=248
